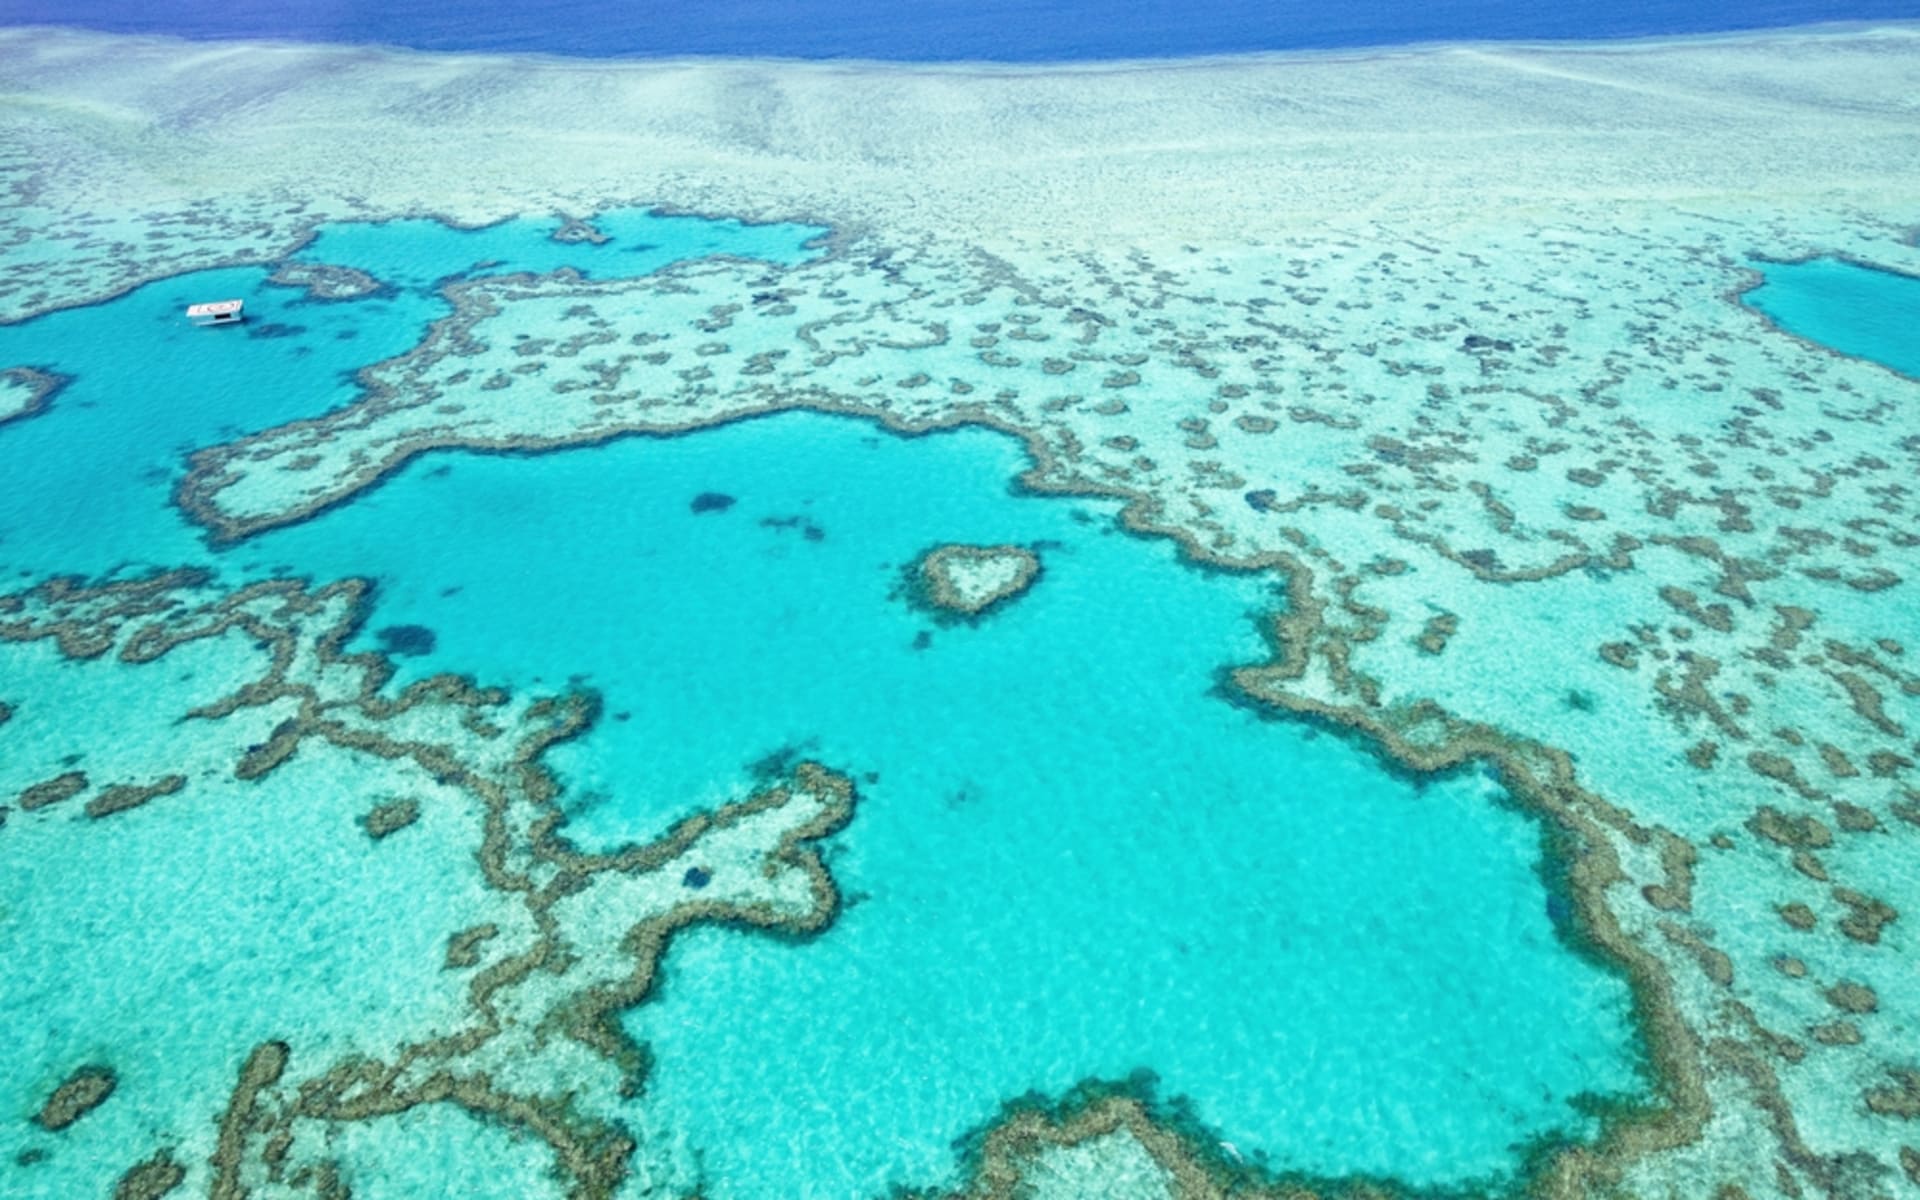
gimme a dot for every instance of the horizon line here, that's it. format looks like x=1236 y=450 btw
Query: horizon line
x=1892 y=27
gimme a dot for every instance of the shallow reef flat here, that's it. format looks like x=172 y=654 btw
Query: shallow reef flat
x=128 y=157
x=1545 y=494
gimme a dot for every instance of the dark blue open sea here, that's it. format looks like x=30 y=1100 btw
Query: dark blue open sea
x=934 y=30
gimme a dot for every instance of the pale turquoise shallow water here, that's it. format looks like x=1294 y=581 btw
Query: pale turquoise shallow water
x=1072 y=859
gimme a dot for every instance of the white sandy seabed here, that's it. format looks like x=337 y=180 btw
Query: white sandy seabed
x=1648 y=498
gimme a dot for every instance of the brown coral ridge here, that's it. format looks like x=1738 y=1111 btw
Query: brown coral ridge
x=42 y=386
x=1579 y=863
x=1421 y=739
x=151 y=1178
x=591 y=1152
x=79 y=1094
x=385 y=820
x=49 y=792
x=122 y=797
x=1196 y=1163
x=999 y=1155
x=931 y=582
x=523 y=853
x=86 y=620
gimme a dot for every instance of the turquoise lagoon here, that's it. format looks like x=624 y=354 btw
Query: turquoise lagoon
x=89 y=493
x=1864 y=311
x=1073 y=859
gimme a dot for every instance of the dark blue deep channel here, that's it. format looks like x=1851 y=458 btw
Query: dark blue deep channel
x=934 y=30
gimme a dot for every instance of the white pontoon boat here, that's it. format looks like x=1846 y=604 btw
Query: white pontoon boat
x=218 y=312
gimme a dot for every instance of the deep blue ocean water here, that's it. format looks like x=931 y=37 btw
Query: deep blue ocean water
x=936 y=30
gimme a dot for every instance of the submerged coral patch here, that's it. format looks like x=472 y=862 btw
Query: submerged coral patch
x=79 y=1094
x=407 y=641
x=151 y=1178
x=968 y=580
x=25 y=391
x=390 y=817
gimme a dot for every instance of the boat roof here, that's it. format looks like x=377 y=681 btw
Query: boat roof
x=214 y=308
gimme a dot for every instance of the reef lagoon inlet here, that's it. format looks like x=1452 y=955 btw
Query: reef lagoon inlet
x=1327 y=624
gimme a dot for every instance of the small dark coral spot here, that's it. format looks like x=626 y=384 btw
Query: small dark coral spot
x=82 y=1092
x=697 y=878
x=1559 y=912
x=275 y=329
x=384 y=820
x=411 y=641
x=710 y=502
x=1262 y=500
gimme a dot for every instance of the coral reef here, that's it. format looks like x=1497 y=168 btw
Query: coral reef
x=967 y=581
x=25 y=391
x=1546 y=495
x=82 y=1092
x=544 y=995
